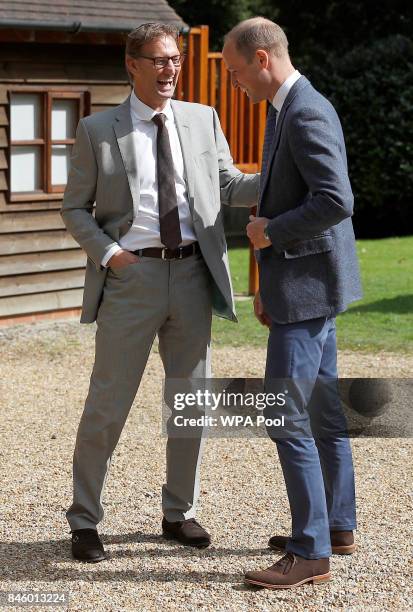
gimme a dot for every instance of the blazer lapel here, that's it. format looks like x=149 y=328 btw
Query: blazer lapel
x=124 y=134
x=298 y=85
x=183 y=128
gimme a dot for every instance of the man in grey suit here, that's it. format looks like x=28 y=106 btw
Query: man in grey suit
x=158 y=171
x=308 y=274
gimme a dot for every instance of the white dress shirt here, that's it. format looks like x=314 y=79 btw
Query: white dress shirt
x=282 y=92
x=144 y=231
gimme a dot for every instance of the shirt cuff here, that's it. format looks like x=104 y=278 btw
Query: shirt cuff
x=114 y=249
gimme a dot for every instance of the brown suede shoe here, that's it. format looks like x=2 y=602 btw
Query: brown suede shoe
x=342 y=542
x=187 y=532
x=291 y=571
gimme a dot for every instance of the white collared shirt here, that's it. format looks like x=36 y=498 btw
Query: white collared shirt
x=282 y=92
x=144 y=231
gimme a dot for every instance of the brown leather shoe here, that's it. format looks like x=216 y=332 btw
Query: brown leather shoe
x=291 y=571
x=187 y=532
x=342 y=542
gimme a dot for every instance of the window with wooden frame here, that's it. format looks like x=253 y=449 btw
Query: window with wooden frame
x=42 y=132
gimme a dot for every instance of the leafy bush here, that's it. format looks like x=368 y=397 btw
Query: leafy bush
x=360 y=55
x=371 y=88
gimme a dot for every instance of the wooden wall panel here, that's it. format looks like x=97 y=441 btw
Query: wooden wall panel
x=39 y=283
x=29 y=222
x=5 y=206
x=115 y=94
x=41 y=265
x=42 y=302
x=31 y=242
x=3 y=116
x=3 y=181
x=38 y=72
x=4 y=98
x=3 y=160
x=3 y=137
x=41 y=262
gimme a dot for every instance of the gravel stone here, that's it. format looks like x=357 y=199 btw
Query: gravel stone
x=45 y=373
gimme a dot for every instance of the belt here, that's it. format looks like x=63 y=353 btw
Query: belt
x=179 y=253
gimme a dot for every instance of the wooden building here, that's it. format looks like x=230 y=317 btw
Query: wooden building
x=57 y=65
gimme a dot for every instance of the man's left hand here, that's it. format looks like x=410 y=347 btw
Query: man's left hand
x=255 y=232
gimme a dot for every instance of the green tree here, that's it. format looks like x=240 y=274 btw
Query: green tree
x=371 y=87
x=360 y=56
x=335 y=26
x=219 y=15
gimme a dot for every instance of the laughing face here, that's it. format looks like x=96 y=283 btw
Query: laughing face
x=154 y=86
x=251 y=77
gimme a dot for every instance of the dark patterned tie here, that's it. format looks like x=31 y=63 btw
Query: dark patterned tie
x=169 y=225
x=268 y=141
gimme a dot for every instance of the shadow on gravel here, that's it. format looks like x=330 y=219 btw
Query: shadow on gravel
x=36 y=561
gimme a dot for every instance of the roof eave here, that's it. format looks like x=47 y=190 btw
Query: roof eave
x=75 y=26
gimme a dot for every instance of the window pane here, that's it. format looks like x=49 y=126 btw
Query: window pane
x=26 y=116
x=60 y=164
x=26 y=163
x=64 y=119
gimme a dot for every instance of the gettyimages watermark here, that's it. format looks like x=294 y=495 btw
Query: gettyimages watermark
x=287 y=408
x=227 y=399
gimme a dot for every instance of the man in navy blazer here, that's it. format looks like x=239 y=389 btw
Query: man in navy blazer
x=308 y=273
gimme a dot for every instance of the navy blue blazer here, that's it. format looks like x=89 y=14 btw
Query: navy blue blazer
x=311 y=269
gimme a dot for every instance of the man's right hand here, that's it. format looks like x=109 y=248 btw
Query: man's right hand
x=121 y=259
x=259 y=311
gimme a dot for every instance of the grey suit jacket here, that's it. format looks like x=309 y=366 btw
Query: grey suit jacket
x=311 y=269
x=104 y=171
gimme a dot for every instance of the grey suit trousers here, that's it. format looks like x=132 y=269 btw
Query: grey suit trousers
x=173 y=300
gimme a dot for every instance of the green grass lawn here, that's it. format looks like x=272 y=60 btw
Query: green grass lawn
x=383 y=320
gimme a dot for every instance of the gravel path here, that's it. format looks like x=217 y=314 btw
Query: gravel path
x=45 y=370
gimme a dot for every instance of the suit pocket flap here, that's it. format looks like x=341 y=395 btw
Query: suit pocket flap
x=321 y=244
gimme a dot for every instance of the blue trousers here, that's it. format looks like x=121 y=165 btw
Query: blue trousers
x=318 y=469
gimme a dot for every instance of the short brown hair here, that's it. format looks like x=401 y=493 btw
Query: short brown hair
x=147 y=32
x=258 y=33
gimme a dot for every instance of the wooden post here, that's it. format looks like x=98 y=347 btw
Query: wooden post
x=202 y=67
x=262 y=117
x=187 y=89
x=223 y=97
x=205 y=79
x=213 y=59
x=242 y=123
x=253 y=281
x=180 y=86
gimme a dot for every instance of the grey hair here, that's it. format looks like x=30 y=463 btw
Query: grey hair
x=147 y=32
x=258 y=33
